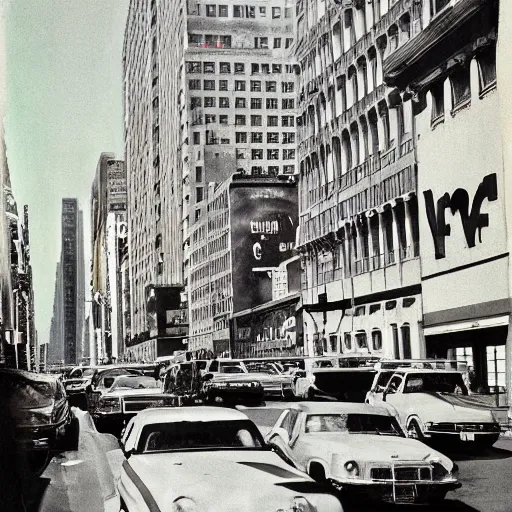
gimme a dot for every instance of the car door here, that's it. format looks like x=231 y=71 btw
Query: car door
x=281 y=433
x=380 y=382
x=393 y=397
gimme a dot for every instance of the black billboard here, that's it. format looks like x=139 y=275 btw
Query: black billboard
x=264 y=221
x=165 y=316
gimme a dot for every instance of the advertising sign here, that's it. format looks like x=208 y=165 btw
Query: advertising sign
x=263 y=226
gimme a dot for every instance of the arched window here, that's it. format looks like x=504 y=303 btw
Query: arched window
x=347 y=341
x=377 y=339
x=361 y=340
x=406 y=341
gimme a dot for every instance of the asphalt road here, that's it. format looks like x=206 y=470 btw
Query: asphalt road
x=486 y=478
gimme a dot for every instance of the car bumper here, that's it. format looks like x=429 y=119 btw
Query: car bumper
x=238 y=394
x=111 y=423
x=398 y=492
x=277 y=391
x=487 y=438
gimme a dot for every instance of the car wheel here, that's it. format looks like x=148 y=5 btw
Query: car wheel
x=317 y=472
x=414 y=431
x=38 y=461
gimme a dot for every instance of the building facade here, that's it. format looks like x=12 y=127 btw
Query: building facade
x=109 y=235
x=358 y=230
x=461 y=184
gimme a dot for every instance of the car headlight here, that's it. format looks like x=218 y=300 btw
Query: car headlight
x=300 y=504
x=439 y=472
x=184 y=505
x=109 y=404
x=352 y=469
x=428 y=425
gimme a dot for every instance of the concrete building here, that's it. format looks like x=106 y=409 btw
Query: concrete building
x=109 y=233
x=218 y=97
x=66 y=330
x=358 y=230
x=248 y=231
x=449 y=69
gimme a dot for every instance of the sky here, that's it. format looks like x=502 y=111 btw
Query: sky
x=64 y=107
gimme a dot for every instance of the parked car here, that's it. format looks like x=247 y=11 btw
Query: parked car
x=44 y=423
x=362 y=451
x=278 y=383
x=436 y=405
x=76 y=384
x=128 y=395
x=325 y=378
x=209 y=458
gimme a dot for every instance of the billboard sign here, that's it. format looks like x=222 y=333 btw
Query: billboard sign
x=263 y=227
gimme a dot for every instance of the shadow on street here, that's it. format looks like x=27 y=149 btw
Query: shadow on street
x=446 y=506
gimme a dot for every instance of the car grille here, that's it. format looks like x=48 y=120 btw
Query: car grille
x=464 y=427
x=139 y=404
x=402 y=473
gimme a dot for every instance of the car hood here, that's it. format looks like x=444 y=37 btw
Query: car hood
x=240 y=377
x=374 y=448
x=122 y=393
x=77 y=381
x=439 y=407
x=246 y=480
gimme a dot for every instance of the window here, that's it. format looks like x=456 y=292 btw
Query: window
x=271 y=86
x=208 y=67
x=239 y=67
x=255 y=86
x=195 y=102
x=199 y=194
x=250 y=11
x=361 y=340
x=277 y=68
x=256 y=103
x=288 y=103
x=238 y=11
x=209 y=85
x=273 y=170
x=225 y=67
x=272 y=154
x=239 y=120
x=406 y=341
x=265 y=68
x=461 y=90
x=288 y=138
x=223 y=11
x=241 y=137
x=211 y=11
x=209 y=102
x=257 y=138
x=287 y=121
x=288 y=12
x=263 y=11
x=224 y=102
x=199 y=174
x=394 y=384
x=210 y=118
x=194 y=85
x=289 y=169
x=196 y=138
x=436 y=6
x=347 y=340
x=223 y=85
x=288 y=42
x=276 y=12
x=257 y=154
x=223 y=141
x=256 y=170
x=487 y=67
x=377 y=340
x=272 y=138
x=240 y=103
x=223 y=119
x=255 y=69
x=288 y=87
x=239 y=85
x=256 y=121
x=437 y=93
x=272 y=121
x=261 y=43
x=272 y=103
x=193 y=67
x=396 y=341
x=288 y=154
x=277 y=42
x=240 y=154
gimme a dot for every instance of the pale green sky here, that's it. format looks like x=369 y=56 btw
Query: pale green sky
x=64 y=107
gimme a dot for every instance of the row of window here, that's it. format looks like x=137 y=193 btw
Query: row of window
x=271 y=170
x=225 y=41
x=272 y=154
x=245 y=11
x=239 y=68
x=256 y=103
x=240 y=85
x=257 y=138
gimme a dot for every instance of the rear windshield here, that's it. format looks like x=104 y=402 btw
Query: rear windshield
x=197 y=435
x=130 y=382
x=262 y=368
x=25 y=393
x=353 y=423
x=435 y=383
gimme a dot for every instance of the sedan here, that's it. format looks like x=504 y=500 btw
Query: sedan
x=362 y=451
x=210 y=459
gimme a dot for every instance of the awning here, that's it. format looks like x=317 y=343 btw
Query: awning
x=470 y=325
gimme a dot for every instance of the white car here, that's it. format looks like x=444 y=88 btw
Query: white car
x=209 y=459
x=435 y=404
x=362 y=451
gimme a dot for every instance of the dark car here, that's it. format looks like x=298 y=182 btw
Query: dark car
x=43 y=421
x=76 y=384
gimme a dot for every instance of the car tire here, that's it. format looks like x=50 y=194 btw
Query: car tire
x=414 y=430
x=69 y=441
x=38 y=461
x=317 y=472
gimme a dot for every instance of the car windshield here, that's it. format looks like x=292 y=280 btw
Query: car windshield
x=26 y=393
x=353 y=424
x=435 y=383
x=262 y=368
x=200 y=435
x=127 y=382
x=231 y=368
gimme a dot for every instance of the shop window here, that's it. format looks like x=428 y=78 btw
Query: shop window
x=347 y=340
x=361 y=340
x=377 y=339
x=461 y=89
x=406 y=341
x=487 y=68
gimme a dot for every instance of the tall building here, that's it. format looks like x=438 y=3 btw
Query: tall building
x=109 y=232
x=66 y=331
x=357 y=199
x=218 y=98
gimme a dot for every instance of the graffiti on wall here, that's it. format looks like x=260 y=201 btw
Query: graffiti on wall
x=472 y=221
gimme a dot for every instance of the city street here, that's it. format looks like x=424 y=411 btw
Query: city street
x=485 y=477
